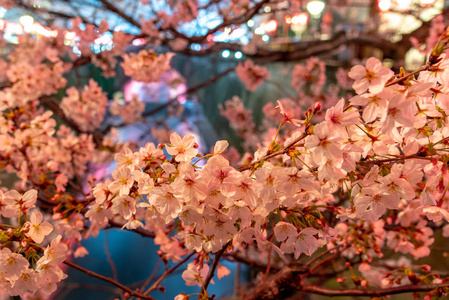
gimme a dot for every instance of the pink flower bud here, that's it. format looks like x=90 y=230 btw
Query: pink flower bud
x=316 y=107
x=425 y=268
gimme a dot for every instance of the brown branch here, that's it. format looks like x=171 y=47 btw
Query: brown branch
x=191 y=90
x=322 y=254
x=137 y=230
x=270 y=289
x=235 y=21
x=400 y=79
x=288 y=277
x=168 y=272
x=109 y=280
x=109 y=257
x=212 y=270
x=120 y=13
x=387 y=160
x=274 y=154
x=250 y=263
x=372 y=293
x=53 y=105
x=38 y=11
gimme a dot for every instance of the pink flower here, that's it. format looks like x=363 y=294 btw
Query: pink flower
x=435 y=213
x=284 y=230
x=336 y=115
x=17 y=202
x=324 y=143
x=38 y=229
x=12 y=264
x=122 y=181
x=372 y=77
x=182 y=148
x=288 y=114
x=252 y=75
x=194 y=275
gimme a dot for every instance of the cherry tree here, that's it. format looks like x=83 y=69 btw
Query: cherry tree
x=341 y=183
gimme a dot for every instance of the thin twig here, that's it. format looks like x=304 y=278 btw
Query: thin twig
x=274 y=154
x=109 y=280
x=372 y=293
x=168 y=272
x=108 y=256
x=212 y=269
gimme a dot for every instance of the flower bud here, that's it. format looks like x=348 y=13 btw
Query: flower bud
x=316 y=107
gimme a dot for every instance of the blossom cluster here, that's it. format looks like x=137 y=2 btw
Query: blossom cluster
x=17 y=275
x=87 y=108
x=129 y=111
x=147 y=65
x=384 y=153
x=252 y=75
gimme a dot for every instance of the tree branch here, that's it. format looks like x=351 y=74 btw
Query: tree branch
x=212 y=270
x=274 y=154
x=109 y=280
x=120 y=13
x=168 y=272
x=372 y=293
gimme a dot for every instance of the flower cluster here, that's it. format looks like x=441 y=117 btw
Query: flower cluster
x=129 y=111
x=252 y=75
x=87 y=108
x=146 y=66
x=18 y=276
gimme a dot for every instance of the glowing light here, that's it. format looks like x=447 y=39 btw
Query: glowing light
x=259 y=30
x=250 y=23
x=288 y=19
x=384 y=5
x=404 y=4
x=69 y=35
x=138 y=42
x=14 y=28
x=38 y=29
x=265 y=38
x=226 y=53
x=238 y=55
x=267 y=9
x=315 y=7
x=2 y=11
x=426 y=3
x=270 y=26
x=300 y=18
x=103 y=40
x=27 y=22
x=196 y=47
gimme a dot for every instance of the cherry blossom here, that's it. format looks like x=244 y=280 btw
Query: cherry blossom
x=38 y=229
x=252 y=75
x=372 y=77
x=182 y=148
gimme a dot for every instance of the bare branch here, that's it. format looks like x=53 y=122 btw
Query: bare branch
x=372 y=293
x=120 y=13
x=109 y=280
x=212 y=269
x=168 y=272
